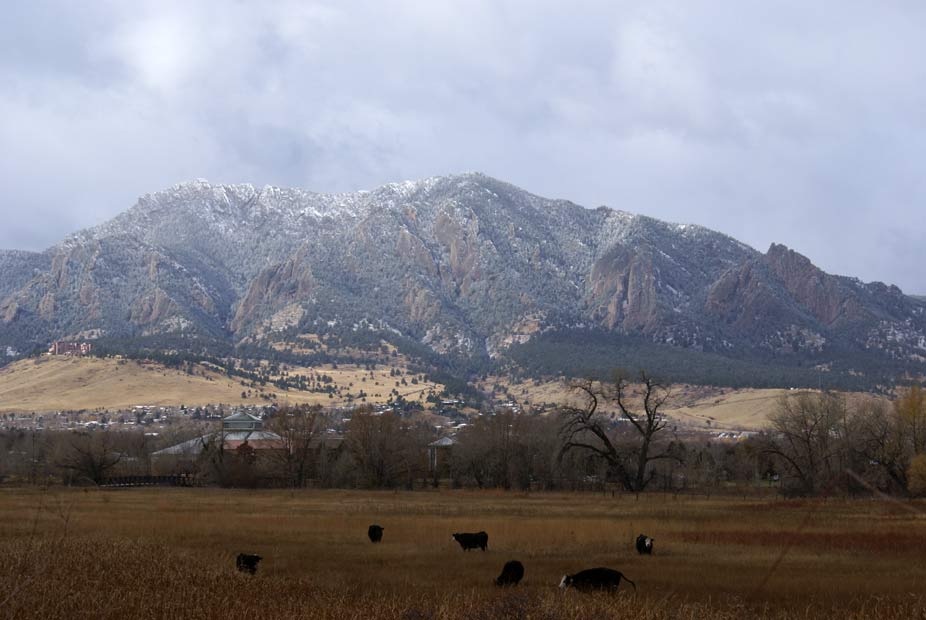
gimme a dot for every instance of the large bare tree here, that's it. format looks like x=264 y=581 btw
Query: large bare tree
x=811 y=435
x=387 y=450
x=883 y=442
x=91 y=455
x=628 y=453
x=299 y=428
x=494 y=450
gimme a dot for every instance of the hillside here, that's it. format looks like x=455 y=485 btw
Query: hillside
x=691 y=407
x=467 y=267
x=75 y=383
x=737 y=410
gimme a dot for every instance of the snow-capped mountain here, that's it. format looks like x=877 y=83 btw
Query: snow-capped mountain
x=464 y=264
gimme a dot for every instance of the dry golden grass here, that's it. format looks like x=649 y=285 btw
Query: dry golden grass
x=170 y=553
x=59 y=383
x=72 y=383
x=745 y=409
x=692 y=406
x=377 y=384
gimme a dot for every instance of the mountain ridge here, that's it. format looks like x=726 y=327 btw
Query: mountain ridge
x=464 y=264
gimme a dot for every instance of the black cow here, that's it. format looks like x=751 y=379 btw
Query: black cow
x=644 y=545
x=472 y=541
x=247 y=562
x=512 y=573
x=375 y=532
x=595 y=579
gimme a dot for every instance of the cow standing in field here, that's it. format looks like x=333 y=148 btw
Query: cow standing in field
x=604 y=579
x=247 y=562
x=375 y=532
x=644 y=545
x=512 y=573
x=479 y=540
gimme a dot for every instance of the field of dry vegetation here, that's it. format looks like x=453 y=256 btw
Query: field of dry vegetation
x=152 y=553
x=58 y=383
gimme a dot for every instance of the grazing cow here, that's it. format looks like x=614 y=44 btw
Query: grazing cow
x=472 y=541
x=375 y=532
x=512 y=573
x=595 y=579
x=644 y=545
x=247 y=562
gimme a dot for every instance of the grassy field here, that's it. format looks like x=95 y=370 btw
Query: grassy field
x=170 y=553
x=745 y=409
x=691 y=406
x=73 y=383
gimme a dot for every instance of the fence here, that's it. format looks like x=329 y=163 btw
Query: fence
x=177 y=480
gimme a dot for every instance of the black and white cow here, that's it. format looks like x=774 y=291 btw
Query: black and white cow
x=595 y=579
x=644 y=545
x=512 y=573
x=479 y=540
x=247 y=562
x=375 y=532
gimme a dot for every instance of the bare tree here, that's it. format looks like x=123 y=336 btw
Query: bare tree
x=809 y=432
x=213 y=455
x=883 y=442
x=386 y=449
x=26 y=454
x=91 y=455
x=629 y=453
x=493 y=450
x=298 y=428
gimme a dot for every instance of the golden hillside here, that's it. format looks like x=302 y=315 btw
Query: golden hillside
x=74 y=383
x=744 y=409
x=691 y=406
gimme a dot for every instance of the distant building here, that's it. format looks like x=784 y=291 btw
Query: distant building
x=63 y=347
x=11 y=352
x=439 y=453
x=237 y=429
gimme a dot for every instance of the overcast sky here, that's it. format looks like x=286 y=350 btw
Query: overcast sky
x=795 y=122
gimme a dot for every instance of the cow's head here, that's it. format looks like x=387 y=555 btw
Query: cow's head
x=566 y=581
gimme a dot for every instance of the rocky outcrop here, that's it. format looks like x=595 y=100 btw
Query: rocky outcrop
x=276 y=287
x=623 y=290
x=153 y=308
x=826 y=297
x=782 y=302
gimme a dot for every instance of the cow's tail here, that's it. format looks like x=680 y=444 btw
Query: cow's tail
x=630 y=582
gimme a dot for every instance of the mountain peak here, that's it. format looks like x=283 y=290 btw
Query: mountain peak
x=461 y=263
x=786 y=258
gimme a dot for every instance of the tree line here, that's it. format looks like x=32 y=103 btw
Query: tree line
x=817 y=443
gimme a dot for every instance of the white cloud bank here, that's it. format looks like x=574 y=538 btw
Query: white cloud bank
x=790 y=122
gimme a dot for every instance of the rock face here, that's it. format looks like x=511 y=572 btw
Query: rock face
x=465 y=264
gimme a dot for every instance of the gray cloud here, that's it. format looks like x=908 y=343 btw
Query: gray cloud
x=786 y=122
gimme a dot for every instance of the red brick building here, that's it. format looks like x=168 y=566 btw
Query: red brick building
x=62 y=347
